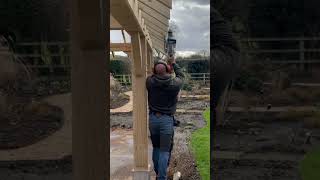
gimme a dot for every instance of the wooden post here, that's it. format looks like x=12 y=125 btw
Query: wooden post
x=90 y=106
x=140 y=129
x=149 y=61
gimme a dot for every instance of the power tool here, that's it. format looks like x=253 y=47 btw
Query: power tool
x=170 y=48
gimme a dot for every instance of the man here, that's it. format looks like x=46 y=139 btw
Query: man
x=163 y=90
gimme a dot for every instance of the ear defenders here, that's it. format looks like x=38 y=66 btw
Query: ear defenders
x=161 y=62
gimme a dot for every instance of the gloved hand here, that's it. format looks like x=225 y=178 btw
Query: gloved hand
x=171 y=60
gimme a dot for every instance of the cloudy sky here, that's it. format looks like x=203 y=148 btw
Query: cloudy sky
x=192 y=18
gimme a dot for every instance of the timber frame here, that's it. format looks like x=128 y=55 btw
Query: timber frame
x=136 y=17
x=139 y=18
x=146 y=21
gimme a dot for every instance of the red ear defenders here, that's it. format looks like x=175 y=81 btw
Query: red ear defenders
x=161 y=62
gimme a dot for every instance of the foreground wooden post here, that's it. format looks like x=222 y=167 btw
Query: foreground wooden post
x=140 y=129
x=90 y=131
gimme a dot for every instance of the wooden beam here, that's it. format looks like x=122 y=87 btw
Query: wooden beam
x=157 y=40
x=156 y=30
x=127 y=13
x=152 y=18
x=90 y=125
x=136 y=53
x=140 y=129
x=157 y=6
x=158 y=45
x=114 y=24
x=125 y=47
x=153 y=13
x=149 y=62
x=167 y=3
x=156 y=25
x=157 y=35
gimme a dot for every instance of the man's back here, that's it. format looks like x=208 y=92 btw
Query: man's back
x=163 y=91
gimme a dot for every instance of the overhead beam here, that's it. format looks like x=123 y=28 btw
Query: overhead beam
x=125 y=47
x=158 y=45
x=167 y=3
x=158 y=35
x=127 y=13
x=158 y=41
x=153 y=18
x=157 y=31
x=157 y=7
x=114 y=24
x=156 y=25
x=153 y=13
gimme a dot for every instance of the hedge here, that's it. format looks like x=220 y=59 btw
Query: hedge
x=120 y=67
x=195 y=66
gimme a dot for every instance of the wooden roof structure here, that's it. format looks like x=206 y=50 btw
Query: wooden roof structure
x=149 y=17
x=146 y=21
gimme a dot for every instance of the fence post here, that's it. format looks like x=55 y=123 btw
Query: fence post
x=301 y=54
x=204 y=78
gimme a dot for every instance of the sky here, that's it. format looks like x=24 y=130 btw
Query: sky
x=192 y=18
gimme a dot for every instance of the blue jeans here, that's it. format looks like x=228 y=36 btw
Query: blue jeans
x=161 y=130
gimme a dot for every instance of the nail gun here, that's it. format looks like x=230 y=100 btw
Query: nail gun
x=170 y=48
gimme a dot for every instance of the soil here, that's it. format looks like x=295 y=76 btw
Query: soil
x=293 y=96
x=264 y=147
x=182 y=157
x=192 y=104
x=119 y=100
x=37 y=170
x=26 y=124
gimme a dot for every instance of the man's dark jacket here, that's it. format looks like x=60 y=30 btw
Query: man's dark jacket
x=163 y=91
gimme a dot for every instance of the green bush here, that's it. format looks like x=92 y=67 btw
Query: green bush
x=120 y=67
x=195 y=66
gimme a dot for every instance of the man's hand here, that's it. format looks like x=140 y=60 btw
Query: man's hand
x=171 y=60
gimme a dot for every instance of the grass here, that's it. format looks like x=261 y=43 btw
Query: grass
x=310 y=165
x=200 y=143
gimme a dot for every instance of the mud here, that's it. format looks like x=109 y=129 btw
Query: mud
x=182 y=158
x=37 y=170
x=27 y=124
x=119 y=100
x=264 y=147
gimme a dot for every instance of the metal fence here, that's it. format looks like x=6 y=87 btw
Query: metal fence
x=125 y=79
x=52 y=59
x=300 y=51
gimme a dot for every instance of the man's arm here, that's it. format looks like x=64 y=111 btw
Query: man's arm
x=179 y=79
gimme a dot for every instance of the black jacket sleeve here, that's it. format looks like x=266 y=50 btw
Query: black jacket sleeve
x=224 y=55
x=179 y=79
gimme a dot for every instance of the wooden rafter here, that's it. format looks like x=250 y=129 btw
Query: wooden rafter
x=151 y=18
x=157 y=7
x=125 y=47
x=167 y=3
x=127 y=13
x=151 y=12
x=156 y=25
x=114 y=24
